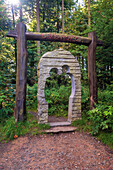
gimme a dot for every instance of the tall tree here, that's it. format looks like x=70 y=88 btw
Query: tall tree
x=38 y=26
x=62 y=16
x=89 y=14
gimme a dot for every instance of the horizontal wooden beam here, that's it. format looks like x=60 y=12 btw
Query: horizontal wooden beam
x=54 y=37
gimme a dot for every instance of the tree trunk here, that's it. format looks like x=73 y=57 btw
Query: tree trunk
x=38 y=27
x=62 y=16
x=89 y=14
x=62 y=20
x=12 y=9
x=21 y=77
x=20 y=11
x=57 y=17
x=92 y=70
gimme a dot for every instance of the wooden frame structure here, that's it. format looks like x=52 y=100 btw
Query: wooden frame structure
x=22 y=36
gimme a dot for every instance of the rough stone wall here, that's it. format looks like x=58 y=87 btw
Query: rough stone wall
x=58 y=59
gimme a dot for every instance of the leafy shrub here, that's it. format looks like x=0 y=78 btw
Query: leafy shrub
x=105 y=97
x=7 y=101
x=58 y=100
x=57 y=92
x=31 y=96
x=101 y=118
x=85 y=98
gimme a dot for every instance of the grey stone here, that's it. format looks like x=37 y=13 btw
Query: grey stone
x=57 y=59
x=61 y=129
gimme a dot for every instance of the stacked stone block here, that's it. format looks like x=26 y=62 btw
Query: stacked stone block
x=57 y=59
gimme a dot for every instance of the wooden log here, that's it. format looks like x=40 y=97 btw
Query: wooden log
x=55 y=37
x=92 y=70
x=20 y=103
x=58 y=38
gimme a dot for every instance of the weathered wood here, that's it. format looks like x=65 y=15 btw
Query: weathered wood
x=56 y=38
x=92 y=69
x=20 y=103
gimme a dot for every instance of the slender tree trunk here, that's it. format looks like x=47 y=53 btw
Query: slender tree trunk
x=20 y=11
x=62 y=20
x=12 y=9
x=38 y=27
x=44 y=14
x=57 y=17
x=82 y=62
x=1 y=105
x=89 y=14
x=62 y=16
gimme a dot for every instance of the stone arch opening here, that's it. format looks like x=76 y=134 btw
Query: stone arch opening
x=57 y=93
x=63 y=61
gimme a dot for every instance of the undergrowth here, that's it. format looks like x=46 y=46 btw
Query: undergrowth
x=99 y=121
x=57 y=92
x=105 y=136
x=10 y=129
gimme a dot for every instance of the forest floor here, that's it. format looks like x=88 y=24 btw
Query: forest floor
x=62 y=151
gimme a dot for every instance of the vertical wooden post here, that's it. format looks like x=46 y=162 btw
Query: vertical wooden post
x=92 y=69
x=21 y=76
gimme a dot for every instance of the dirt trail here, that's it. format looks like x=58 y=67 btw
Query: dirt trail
x=63 y=151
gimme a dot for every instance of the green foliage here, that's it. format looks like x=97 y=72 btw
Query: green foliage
x=31 y=101
x=58 y=89
x=58 y=100
x=32 y=63
x=57 y=92
x=85 y=98
x=101 y=118
x=102 y=24
x=7 y=78
x=7 y=66
x=12 y=130
x=79 y=122
x=105 y=97
x=106 y=137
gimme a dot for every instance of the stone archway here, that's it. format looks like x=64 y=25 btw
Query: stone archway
x=59 y=59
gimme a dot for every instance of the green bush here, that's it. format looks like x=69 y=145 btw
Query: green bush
x=31 y=96
x=85 y=98
x=105 y=97
x=58 y=100
x=101 y=118
x=7 y=101
x=57 y=92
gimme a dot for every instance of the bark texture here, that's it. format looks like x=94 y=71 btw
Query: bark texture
x=20 y=103
x=92 y=69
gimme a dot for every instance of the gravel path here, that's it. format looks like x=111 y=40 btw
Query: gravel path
x=63 y=151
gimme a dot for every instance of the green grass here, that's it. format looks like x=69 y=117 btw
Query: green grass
x=10 y=129
x=79 y=123
x=105 y=137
